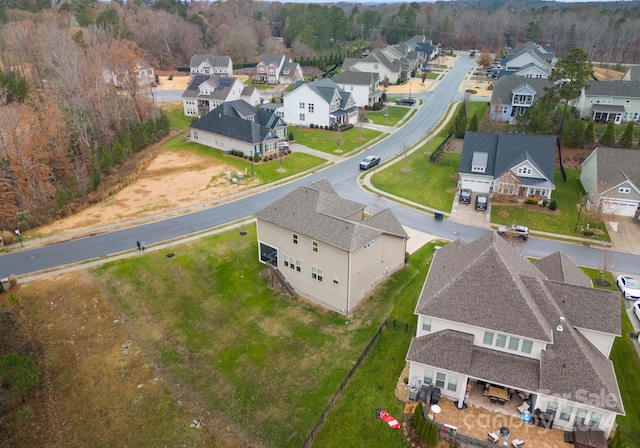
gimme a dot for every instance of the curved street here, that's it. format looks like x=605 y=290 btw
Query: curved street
x=344 y=176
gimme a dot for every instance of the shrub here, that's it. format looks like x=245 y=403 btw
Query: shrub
x=530 y=200
x=8 y=237
x=553 y=205
x=291 y=137
x=13 y=280
x=170 y=76
x=311 y=126
x=587 y=232
x=256 y=157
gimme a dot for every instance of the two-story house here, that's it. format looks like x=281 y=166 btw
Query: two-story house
x=363 y=86
x=602 y=101
x=505 y=163
x=528 y=60
x=208 y=64
x=204 y=93
x=489 y=317
x=277 y=69
x=319 y=103
x=611 y=178
x=513 y=95
x=326 y=248
x=236 y=125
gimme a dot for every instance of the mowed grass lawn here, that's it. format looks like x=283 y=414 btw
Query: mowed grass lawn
x=262 y=364
x=330 y=142
x=394 y=114
x=563 y=222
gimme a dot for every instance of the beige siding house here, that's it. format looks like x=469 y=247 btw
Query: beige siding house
x=538 y=332
x=326 y=249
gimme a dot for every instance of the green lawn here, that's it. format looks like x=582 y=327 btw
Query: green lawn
x=563 y=222
x=177 y=117
x=207 y=316
x=336 y=143
x=394 y=113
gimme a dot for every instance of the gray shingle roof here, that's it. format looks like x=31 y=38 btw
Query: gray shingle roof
x=504 y=87
x=356 y=78
x=269 y=59
x=559 y=268
x=214 y=61
x=454 y=351
x=616 y=165
x=473 y=283
x=318 y=212
x=626 y=89
x=633 y=73
x=506 y=148
x=230 y=120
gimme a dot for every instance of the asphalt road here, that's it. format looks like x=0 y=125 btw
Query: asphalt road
x=344 y=177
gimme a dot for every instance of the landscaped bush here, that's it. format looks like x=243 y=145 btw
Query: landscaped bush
x=530 y=200
x=291 y=136
x=311 y=126
x=553 y=205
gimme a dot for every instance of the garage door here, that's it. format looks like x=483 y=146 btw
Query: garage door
x=620 y=208
x=477 y=186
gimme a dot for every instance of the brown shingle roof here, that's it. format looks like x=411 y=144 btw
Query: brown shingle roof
x=560 y=268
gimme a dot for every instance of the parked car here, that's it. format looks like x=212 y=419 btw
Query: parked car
x=481 y=202
x=636 y=309
x=514 y=231
x=629 y=287
x=369 y=162
x=465 y=196
x=406 y=101
x=283 y=145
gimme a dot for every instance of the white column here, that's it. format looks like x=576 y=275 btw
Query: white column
x=462 y=392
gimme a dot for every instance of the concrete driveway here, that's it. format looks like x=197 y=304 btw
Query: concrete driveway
x=468 y=215
x=625 y=234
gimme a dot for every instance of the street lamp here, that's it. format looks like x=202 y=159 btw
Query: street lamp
x=582 y=204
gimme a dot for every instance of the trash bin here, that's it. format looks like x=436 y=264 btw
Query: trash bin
x=438 y=216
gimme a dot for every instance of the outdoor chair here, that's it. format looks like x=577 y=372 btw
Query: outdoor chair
x=517 y=443
x=493 y=437
x=493 y=400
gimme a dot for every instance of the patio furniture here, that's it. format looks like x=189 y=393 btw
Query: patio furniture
x=498 y=392
x=523 y=395
x=523 y=407
x=517 y=443
x=493 y=437
x=493 y=400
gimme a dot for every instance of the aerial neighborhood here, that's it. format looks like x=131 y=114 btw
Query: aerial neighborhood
x=311 y=225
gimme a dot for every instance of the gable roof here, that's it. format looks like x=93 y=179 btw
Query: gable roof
x=633 y=73
x=504 y=87
x=318 y=212
x=230 y=119
x=615 y=166
x=627 y=89
x=272 y=59
x=473 y=283
x=214 y=61
x=326 y=89
x=356 y=78
x=221 y=87
x=558 y=267
x=505 y=150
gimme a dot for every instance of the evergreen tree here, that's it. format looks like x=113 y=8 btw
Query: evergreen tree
x=573 y=132
x=19 y=372
x=590 y=133
x=426 y=431
x=473 y=125
x=609 y=136
x=626 y=139
x=460 y=122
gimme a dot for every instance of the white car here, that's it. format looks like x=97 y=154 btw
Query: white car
x=636 y=309
x=629 y=287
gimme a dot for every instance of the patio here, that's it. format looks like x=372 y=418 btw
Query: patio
x=481 y=417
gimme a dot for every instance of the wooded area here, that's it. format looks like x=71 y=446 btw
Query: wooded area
x=63 y=126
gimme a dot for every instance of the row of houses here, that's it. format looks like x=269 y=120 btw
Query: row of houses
x=524 y=75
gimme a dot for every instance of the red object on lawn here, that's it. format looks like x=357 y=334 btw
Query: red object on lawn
x=391 y=421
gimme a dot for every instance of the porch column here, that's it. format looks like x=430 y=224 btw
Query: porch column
x=462 y=393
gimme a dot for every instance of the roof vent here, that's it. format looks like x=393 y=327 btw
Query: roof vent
x=560 y=326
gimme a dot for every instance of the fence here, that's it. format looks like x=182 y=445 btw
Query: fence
x=435 y=155
x=388 y=323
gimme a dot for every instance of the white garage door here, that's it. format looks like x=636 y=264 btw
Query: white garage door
x=620 y=208
x=477 y=186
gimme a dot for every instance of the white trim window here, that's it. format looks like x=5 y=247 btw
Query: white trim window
x=426 y=324
x=624 y=190
x=316 y=273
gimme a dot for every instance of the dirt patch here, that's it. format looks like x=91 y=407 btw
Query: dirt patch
x=606 y=74
x=172 y=180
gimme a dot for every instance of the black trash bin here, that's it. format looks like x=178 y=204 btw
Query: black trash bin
x=435 y=396
x=438 y=216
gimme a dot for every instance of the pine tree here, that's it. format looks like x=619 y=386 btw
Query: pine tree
x=626 y=139
x=609 y=136
x=473 y=125
x=590 y=133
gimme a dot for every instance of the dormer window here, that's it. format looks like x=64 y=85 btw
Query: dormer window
x=624 y=190
x=479 y=162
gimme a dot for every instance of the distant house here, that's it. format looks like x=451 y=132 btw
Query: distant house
x=489 y=319
x=208 y=64
x=277 y=69
x=512 y=164
x=236 y=125
x=632 y=73
x=132 y=77
x=363 y=86
x=276 y=108
x=385 y=62
x=513 y=96
x=611 y=178
x=602 y=101
x=204 y=93
x=326 y=248
x=320 y=103
x=528 y=60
